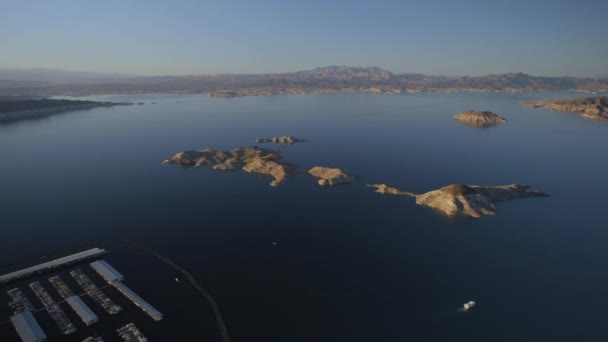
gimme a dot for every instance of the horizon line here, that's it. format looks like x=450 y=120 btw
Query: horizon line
x=600 y=75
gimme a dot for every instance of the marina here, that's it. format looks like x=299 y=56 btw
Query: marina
x=63 y=322
x=23 y=310
x=94 y=292
x=82 y=310
x=53 y=264
x=114 y=278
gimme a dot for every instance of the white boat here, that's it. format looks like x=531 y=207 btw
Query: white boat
x=177 y=280
x=468 y=306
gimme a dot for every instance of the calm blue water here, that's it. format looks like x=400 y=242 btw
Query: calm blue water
x=349 y=264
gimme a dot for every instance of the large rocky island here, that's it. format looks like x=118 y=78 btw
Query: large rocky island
x=465 y=200
x=480 y=119
x=595 y=108
x=254 y=160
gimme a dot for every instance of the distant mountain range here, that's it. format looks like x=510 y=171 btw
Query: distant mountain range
x=323 y=79
x=56 y=75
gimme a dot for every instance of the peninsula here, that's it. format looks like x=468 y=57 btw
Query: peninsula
x=13 y=109
x=253 y=160
x=465 y=200
x=595 y=108
x=480 y=119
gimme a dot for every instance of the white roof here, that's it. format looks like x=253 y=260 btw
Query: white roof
x=106 y=271
x=27 y=327
x=83 y=310
x=52 y=264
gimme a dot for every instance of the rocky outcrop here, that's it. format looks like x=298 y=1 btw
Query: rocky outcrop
x=389 y=190
x=465 y=200
x=286 y=140
x=480 y=119
x=330 y=176
x=595 y=108
x=250 y=159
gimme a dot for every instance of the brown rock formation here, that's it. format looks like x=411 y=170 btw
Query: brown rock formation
x=388 y=190
x=595 y=108
x=466 y=200
x=480 y=119
x=286 y=140
x=250 y=159
x=330 y=176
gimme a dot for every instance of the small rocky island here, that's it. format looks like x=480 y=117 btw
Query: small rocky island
x=254 y=160
x=285 y=140
x=480 y=119
x=595 y=108
x=465 y=200
x=330 y=176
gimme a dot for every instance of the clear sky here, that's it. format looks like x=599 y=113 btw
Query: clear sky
x=455 y=37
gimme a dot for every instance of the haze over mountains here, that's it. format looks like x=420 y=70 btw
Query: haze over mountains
x=330 y=78
x=57 y=75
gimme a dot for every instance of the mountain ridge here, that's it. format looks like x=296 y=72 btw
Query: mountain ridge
x=328 y=78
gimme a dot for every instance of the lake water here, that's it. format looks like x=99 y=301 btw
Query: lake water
x=348 y=264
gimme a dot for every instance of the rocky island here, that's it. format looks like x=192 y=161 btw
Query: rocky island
x=330 y=176
x=285 y=140
x=595 y=108
x=480 y=119
x=250 y=159
x=465 y=200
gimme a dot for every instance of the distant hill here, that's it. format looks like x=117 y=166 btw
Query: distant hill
x=330 y=78
x=56 y=76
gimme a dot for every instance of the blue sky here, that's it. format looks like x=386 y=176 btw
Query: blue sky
x=250 y=36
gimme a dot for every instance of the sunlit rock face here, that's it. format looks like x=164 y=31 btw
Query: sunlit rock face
x=250 y=159
x=595 y=108
x=465 y=200
x=330 y=176
x=480 y=119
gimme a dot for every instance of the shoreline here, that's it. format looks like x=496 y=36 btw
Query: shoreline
x=32 y=114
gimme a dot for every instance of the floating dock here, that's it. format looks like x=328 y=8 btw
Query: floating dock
x=63 y=322
x=27 y=327
x=19 y=302
x=82 y=310
x=114 y=278
x=61 y=287
x=93 y=339
x=137 y=300
x=94 y=292
x=53 y=264
x=130 y=333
